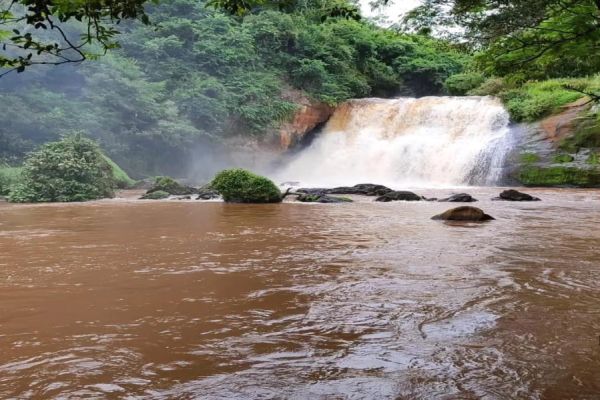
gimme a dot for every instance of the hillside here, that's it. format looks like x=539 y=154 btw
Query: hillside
x=196 y=77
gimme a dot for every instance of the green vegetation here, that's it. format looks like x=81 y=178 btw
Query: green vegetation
x=593 y=159
x=586 y=135
x=241 y=186
x=563 y=158
x=532 y=100
x=529 y=158
x=9 y=176
x=559 y=176
x=170 y=186
x=123 y=181
x=199 y=76
x=461 y=84
x=157 y=195
x=72 y=169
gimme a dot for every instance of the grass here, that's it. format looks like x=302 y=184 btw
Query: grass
x=123 y=180
x=534 y=100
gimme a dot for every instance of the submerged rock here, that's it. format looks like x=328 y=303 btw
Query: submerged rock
x=157 y=195
x=399 y=196
x=515 y=195
x=459 y=198
x=464 y=213
x=321 y=198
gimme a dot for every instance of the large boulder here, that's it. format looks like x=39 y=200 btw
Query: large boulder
x=399 y=196
x=464 y=213
x=363 y=189
x=240 y=186
x=321 y=198
x=515 y=195
x=459 y=198
x=207 y=194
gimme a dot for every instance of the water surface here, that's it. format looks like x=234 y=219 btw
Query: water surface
x=185 y=300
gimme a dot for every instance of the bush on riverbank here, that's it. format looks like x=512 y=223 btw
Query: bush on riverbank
x=72 y=169
x=241 y=186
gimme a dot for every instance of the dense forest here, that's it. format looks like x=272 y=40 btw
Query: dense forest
x=187 y=77
x=197 y=76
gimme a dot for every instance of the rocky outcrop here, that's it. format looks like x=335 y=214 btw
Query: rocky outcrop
x=321 y=198
x=559 y=126
x=459 y=198
x=515 y=195
x=464 y=213
x=399 y=196
x=309 y=115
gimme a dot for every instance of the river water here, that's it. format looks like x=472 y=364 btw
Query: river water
x=182 y=300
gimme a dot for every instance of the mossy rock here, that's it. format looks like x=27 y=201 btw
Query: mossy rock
x=240 y=186
x=157 y=195
x=171 y=186
x=563 y=158
x=586 y=135
x=529 y=158
x=323 y=198
x=559 y=176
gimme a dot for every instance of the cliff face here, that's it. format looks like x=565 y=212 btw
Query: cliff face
x=309 y=115
x=561 y=150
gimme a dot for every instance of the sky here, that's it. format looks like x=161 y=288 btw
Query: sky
x=389 y=14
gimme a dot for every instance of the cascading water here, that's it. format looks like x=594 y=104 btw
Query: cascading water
x=430 y=141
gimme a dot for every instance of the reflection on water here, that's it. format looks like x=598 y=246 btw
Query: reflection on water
x=296 y=301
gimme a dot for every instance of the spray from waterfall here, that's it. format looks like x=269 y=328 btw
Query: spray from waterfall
x=430 y=141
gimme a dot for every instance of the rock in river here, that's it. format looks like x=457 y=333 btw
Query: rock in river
x=399 y=196
x=459 y=198
x=515 y=195
x=364 y=189
x=464 y=213
x=321 y=198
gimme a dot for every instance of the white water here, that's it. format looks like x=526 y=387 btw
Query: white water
x=430 y=141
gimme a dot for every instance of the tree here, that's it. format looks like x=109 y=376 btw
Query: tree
x=55 y=32
x=72 y=169
x=537 y=38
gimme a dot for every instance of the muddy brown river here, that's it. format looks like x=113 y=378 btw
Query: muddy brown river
x=204 y=300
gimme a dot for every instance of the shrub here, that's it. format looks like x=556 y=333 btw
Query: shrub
x=491 y=87
x=9 y=176
x=241 y=186
x=461 y=84
x=72 y=169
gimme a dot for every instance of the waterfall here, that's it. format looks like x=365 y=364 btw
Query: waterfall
x=429 y=141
